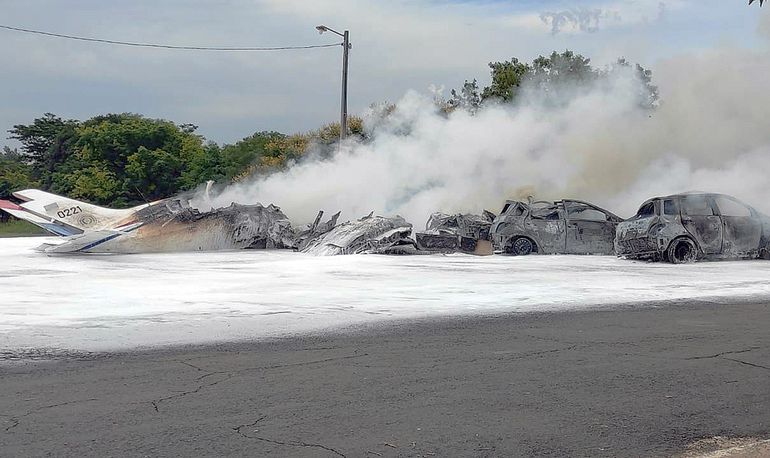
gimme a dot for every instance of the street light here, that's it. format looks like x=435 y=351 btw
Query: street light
x=344 y=102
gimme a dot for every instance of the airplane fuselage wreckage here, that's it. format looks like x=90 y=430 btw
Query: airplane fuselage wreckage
x=163 y=226
x=174 y=225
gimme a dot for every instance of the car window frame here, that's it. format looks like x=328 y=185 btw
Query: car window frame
x=709 y=200
x=607 y=216
x=734 y=200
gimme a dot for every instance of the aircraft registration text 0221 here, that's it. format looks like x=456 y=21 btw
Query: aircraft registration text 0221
x=69 y=212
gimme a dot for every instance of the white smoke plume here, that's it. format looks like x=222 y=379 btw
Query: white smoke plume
x=711 y=133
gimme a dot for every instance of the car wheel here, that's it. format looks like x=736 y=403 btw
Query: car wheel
x=522 y=246
x=764 y=253
x=682 y=251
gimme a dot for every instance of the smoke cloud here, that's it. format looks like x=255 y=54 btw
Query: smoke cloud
x=711 y=133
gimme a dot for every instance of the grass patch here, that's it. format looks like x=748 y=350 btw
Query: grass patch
x=19 y=228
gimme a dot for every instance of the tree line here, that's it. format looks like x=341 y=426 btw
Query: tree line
x=126 y=159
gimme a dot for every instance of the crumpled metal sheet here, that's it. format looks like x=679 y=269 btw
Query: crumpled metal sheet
x=173 y=225
x=313 y=231
x=371 y=234
x=460 y=232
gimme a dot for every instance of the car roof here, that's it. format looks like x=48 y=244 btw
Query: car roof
x=557 y=202
x=690 y=193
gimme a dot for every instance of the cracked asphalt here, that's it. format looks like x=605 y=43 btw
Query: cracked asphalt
x=632 y=381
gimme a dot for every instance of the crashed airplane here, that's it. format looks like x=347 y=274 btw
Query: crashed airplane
x=162 y=226
x=173 y=225
x=686 y=227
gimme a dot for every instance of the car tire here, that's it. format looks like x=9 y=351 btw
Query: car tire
x=682 y=251
x=522 y=246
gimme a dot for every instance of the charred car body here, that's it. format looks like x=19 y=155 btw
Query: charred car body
x=561 y=227
x=461 y=232
x=685 y=227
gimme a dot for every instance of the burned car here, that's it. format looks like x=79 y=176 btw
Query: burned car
x=686 y=227
x=561 y=227
x=461 y=232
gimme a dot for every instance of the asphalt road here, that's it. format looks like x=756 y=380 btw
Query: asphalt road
x=641 y=381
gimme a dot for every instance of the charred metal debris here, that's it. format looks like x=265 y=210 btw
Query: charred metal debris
x=678 y=228
x=461 y=232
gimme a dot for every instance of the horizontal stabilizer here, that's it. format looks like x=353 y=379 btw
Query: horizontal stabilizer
x=81 y=215
x=48 y=224
x=8 y=205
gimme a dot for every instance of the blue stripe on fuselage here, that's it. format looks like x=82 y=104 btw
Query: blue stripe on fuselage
x=107 y=239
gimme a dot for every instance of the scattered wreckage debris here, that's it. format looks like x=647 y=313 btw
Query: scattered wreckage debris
x=370 y=234
x=162 y=226
x=173 y=225
x=561 y=227
x=313 y=231
x=678 y=228
x=686 y=227
x=461 y=232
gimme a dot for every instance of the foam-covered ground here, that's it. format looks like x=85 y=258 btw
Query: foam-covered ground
x=100 y=302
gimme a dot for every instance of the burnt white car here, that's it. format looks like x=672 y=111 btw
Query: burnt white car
x=686 y=227
x=565 y=226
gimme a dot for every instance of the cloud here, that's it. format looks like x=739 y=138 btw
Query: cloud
x=578 y=20
x=612 y=15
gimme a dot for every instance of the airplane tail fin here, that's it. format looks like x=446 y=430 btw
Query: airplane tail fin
x=54 y=227
x=82 y=216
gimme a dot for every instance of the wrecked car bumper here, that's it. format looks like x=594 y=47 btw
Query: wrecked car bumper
x=640 y=247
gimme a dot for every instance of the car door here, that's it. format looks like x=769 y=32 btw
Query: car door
x=590 y=230
x=545 y=224
x=742 y=231
x=702 y=222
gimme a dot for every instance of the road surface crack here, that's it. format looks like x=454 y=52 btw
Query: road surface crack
x=156 y=403
x=230 y=374
x=16 y=420
x=238 y=429
x=189 y=365
x=748 y=363
x=718 y=355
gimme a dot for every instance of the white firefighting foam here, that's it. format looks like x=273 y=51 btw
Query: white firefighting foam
x=99 y=302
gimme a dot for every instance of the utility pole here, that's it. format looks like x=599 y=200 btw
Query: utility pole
x=344 y=99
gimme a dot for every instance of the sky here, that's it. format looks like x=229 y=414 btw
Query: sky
x=397 y=46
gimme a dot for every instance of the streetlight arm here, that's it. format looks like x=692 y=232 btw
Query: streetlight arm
x=323 y=28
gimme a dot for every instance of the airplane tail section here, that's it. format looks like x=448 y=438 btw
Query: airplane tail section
x=82 y=216
x=50 y=225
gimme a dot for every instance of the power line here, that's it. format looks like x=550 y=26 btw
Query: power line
x=153 y=45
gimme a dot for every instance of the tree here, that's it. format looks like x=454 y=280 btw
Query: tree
x=647 y=93
x=203 y=165
x=130 y=159
x=760 y=2
x=468 y=97
x=507 y=77
x=549 y=74
x=15 y=173
x=240 y=156
x=554 y=79
x=46 y=143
